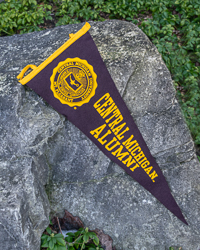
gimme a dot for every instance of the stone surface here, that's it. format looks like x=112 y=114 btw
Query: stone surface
x=26 y=125
x=40 y=147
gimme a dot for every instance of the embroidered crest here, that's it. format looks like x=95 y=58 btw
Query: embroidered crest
x=73 y=82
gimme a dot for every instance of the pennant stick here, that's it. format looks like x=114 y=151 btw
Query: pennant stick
x=75 y=81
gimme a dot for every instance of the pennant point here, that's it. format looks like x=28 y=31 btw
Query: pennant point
x=184 y=220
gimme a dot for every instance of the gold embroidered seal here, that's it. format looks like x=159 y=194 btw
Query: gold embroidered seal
x=73 y=82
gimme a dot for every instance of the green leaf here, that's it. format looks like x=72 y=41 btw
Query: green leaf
x=77 y=234
x=58 y=236
x=96 y=240
x=61 y=248
x=79 y=239
x=48 y=230
x=71 y=234
x=76 y=246
x=86 y=237
x=48 y=238
x=91 y=234
x=60 y=241
x=45 y=244
x=43 y=241
x=51 y=244
x=71 y=248
x=44 y=236
x=69 y=239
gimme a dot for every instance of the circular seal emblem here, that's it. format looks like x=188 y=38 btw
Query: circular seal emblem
x=73 y=82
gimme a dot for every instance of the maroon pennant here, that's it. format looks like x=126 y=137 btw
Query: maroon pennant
x=75 y=81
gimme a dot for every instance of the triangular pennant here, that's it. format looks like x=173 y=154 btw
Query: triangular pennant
x=75 y=81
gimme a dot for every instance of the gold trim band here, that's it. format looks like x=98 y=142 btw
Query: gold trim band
x=36 y=70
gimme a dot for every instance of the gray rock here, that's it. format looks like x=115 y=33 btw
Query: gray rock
x=26 y=125
x=40 y=147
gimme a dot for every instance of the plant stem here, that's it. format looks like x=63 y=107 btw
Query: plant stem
x=59 y=226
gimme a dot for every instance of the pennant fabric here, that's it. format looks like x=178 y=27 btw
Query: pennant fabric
x=75 y=81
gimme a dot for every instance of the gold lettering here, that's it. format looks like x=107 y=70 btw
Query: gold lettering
x=106 y=96
x=128 y=143
x=115 y=122
x=116 y=113
x=153 y=175
x=144 y=159
x=105 y=104
x=117 y=129
x=133 y=168
x=139 y=156
x=108 y=110
x=136 y=149
x=96 y=132
x=101 y=139
x=129 y=161
x=118 y=153
x=136 y=145
x=148 y=170
x=120 y=135
x=145 y=164
x=115 y=145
